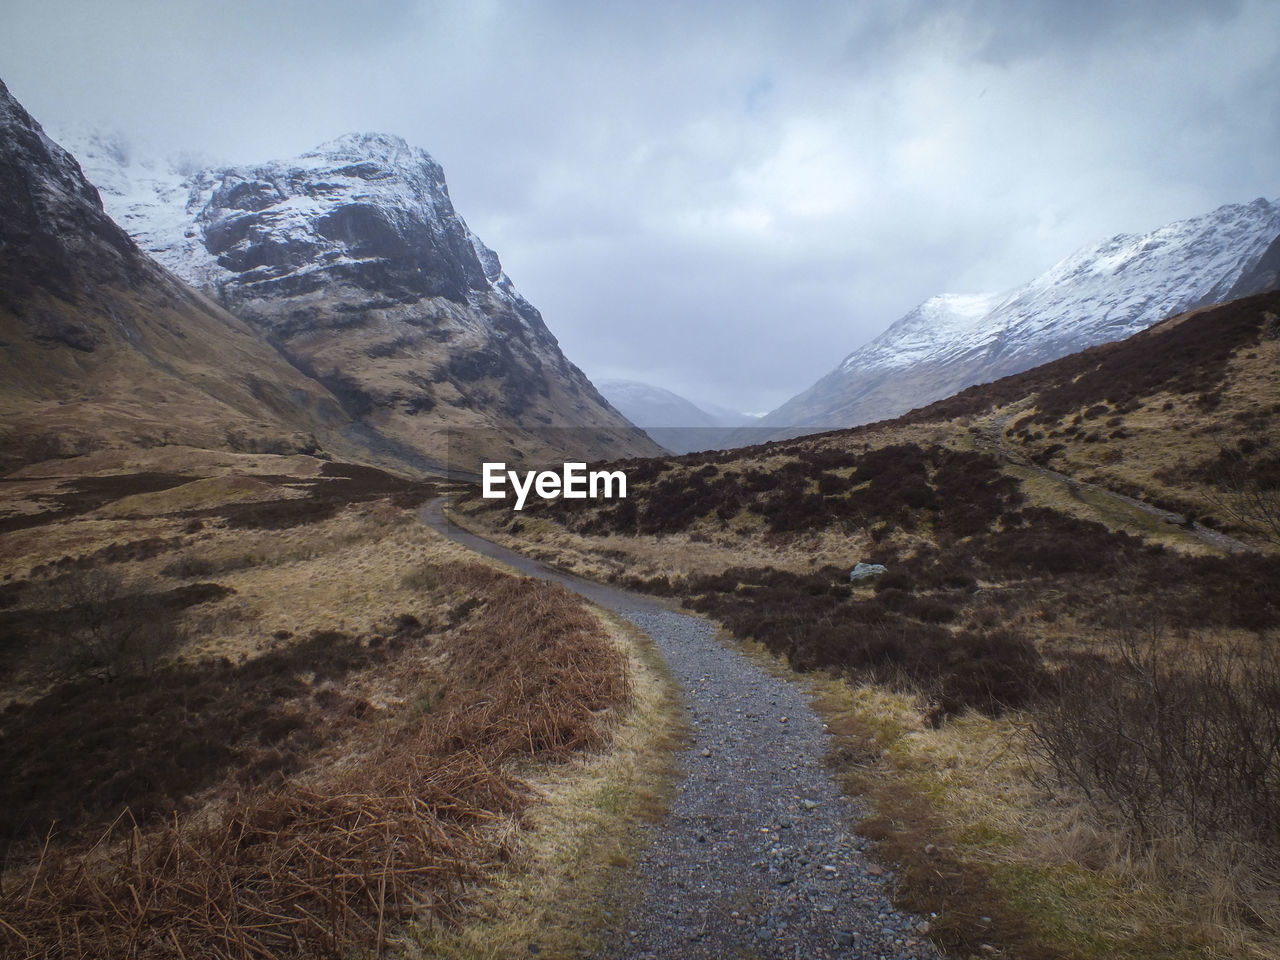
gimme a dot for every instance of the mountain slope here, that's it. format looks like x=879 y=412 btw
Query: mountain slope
x=352 y=261
x=100 y=346
x=730 y=417
x=1099 y=294
x=1262 y=277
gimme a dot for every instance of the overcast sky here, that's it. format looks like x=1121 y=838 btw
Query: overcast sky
x=719 y=198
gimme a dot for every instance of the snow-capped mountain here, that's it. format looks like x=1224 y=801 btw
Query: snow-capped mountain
x=1098 y=294
x=100 y=346
x=361 y=209
x=677 y=423
x=352 y=260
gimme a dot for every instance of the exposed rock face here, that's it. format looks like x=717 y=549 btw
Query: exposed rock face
x=1099 y=294
x=365 y=210
x=352 y=260
x=54 y=235
x=1262 y=277
x=100 y=346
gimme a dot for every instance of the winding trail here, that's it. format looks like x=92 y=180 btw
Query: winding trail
x=992 y=439
x=757 y=858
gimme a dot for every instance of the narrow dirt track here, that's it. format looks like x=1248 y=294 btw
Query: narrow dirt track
x=756 y=858
x=992 y=439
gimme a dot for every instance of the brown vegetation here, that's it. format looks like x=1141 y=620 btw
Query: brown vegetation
x=331 y=862
x=943 y=520
x=1169 y=739
x=318 y=734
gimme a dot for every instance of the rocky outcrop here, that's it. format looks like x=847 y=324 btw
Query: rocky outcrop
x=1262 y=277
x=54 y=234
x=366 y=211
x=866 y=571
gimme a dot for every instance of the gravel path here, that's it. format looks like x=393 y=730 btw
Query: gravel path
x=756 y=858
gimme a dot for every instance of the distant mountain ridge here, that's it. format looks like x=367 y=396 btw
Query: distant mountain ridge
x=1099 y=294
x=352 y=261
x=674 y=421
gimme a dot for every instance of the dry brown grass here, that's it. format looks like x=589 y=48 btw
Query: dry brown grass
x=163 y=382
x=341 y=572
x=1001 y=861
x=1090 y=503
x=569 y=877
x=672 y=555
x=1039 y=874
x=332 y=862
x=1152 y=451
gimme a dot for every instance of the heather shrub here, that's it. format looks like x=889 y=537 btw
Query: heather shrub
x=1169 y=739
x=161 y=736
x=818 y=623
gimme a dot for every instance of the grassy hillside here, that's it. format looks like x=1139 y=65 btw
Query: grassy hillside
x=1064 y=689
x=252 y=704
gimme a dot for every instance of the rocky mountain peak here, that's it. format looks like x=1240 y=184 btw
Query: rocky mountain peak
x=51 y=170
x=383 y=148
x=101 y=347
x=364 y=219
x=365 y=211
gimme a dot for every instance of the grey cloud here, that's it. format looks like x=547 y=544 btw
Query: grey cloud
x=1016 y=29
x=722 y=198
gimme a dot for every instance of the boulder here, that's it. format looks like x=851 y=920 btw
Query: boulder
x=865 y=571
